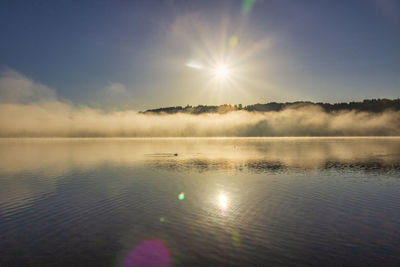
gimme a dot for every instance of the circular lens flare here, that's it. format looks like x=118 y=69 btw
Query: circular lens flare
x=149 y=253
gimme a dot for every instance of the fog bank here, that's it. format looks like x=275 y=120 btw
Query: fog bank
x=31 y=109
x=58 y=119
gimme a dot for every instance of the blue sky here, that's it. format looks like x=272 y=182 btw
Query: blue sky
x=132 y=54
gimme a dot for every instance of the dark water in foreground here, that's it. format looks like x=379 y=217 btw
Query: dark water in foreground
x=246 y=202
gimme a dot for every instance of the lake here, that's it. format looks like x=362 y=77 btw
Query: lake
x=200 y=202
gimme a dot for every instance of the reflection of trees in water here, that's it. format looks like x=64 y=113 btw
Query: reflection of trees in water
x=367 y=166
x=265 y=166
x=56 y=157
x=198 y=165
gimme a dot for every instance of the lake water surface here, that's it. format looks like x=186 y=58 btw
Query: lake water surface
x=200 y=202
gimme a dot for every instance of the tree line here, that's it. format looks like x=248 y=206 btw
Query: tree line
x=370 y=105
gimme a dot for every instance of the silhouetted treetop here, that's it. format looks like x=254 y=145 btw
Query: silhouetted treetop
x=370 y=105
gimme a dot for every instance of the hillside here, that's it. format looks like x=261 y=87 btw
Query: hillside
x=369 y=105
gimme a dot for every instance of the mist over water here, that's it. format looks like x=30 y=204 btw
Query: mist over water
x=57 y=119
x=200 y=133
x=30 y=109
x=57 y=155
x=209 y=199
x=200 y=201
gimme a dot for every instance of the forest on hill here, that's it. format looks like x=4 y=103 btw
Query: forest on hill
x=368 y=105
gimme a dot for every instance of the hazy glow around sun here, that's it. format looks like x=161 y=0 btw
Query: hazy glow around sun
x=221 y=72
x=223 y=59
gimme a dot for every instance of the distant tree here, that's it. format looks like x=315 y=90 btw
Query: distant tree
x=225 y=108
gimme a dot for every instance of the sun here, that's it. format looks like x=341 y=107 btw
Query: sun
x=221 y=72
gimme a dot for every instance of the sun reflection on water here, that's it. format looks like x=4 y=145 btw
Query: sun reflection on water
x=222 y=201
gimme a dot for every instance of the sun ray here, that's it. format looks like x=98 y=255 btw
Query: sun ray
x=228 y=56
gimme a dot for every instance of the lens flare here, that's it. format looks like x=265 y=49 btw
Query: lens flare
x=149 y=253
x=233 y=41
x=247 y=6
x=236 y=238
x=181 y=196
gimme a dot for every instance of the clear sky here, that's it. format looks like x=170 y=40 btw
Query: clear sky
x=147 y=54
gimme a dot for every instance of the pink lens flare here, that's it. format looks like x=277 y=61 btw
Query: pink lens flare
x=150 y=253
